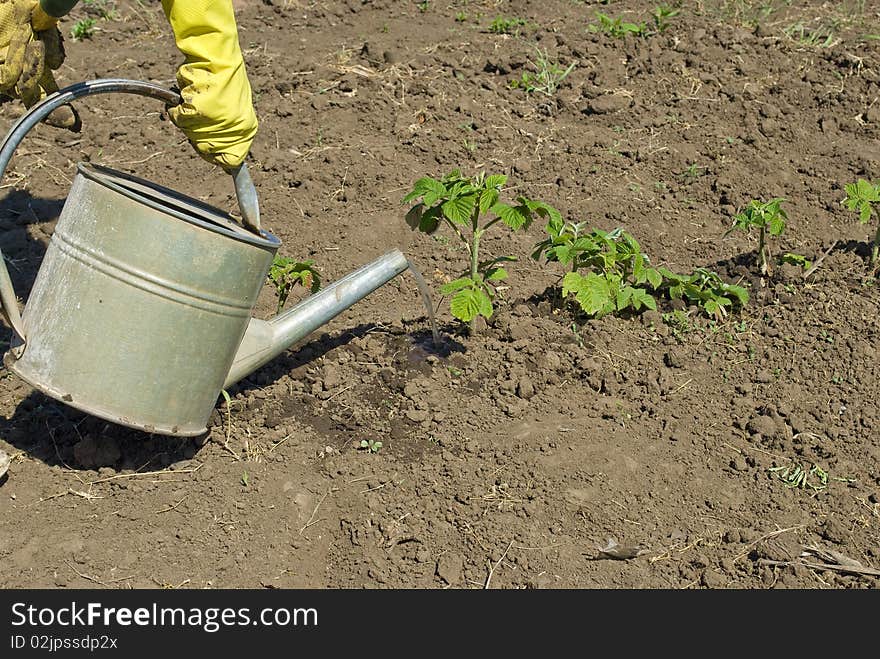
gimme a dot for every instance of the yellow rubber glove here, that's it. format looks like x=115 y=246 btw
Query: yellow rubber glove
x=30 y=49
x=217 y=114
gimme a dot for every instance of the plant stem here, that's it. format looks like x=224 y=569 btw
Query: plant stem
x=762 y=256
x=475 y=241
x=875 y=248
x=475 y=250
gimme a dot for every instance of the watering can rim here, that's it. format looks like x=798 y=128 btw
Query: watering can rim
x=222 y=222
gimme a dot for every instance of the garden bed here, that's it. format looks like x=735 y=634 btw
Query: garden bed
x=513 y=452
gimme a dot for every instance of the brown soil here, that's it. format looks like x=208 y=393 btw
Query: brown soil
x=513 y=453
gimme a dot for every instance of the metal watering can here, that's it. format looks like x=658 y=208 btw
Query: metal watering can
x=141 y=310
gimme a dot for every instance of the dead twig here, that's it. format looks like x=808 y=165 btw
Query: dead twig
x=849 y=569
x=766 y=536
x=315 y=512
x=145 y=473
x=95 y=579
x=818 y=261
x=492 y=568
x=171 y=507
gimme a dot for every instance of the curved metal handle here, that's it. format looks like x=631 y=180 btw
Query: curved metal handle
x=244 y=186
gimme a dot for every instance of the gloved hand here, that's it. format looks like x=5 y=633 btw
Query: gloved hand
x=217 y=114
x=30 y=49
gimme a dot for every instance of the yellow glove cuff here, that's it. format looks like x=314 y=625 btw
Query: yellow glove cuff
x=41 y=20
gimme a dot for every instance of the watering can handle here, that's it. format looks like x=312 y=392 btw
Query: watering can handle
x=244 y=186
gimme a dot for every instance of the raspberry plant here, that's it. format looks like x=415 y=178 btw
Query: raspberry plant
x=769 y=218
x=285 y=273
x=706 y=289
x=465 y=205
x=862 y=197
x=618 y=275
x=619 y=272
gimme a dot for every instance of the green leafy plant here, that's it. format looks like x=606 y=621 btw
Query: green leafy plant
x=862 y=197
x=464 y=204
x=371 y=445
x=797 y=476
x=83 y=29
x=616 y=27
x=549 y=75
x=566 y=243
x=691 y=172
x=619 y=275
x=679 y=322
x=705 y=289
x=618 y=272
x=501 y=25
x=661 y=15
x=769 y=218
x=285 y=273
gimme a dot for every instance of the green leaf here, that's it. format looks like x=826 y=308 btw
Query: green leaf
x=740 y=293
x=424 y=186
x=496 y=274
x=571 y=283
x=512 y=216
x=654 y=277
x=542 y=209
x=594 y=294
x=624 y=295
x=776 y=225
x=641 y=298
x=865 y=212
x=564 y=254
x=488 y=198
x=456 y=285
x=713 y=308
x=554 y=226
x=459 y=210
x=495 y=181
x=465 y=305
x=485 y=304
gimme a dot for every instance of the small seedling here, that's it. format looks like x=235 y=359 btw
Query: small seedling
x=245 y=479
x=678 y=322
x=462 y=203
x=769 y=218
x=706 y=289
x=616 y=27
x=285 y=273
x=83 y=29
x=371 y=445
x=661 y=16
x=796 y=259
x=549 y=75
x=862 y=197
x=501 y=25
x=692 y=171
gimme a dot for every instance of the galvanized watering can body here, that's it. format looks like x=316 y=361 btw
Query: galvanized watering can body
x=140 y=303
x=141 y=310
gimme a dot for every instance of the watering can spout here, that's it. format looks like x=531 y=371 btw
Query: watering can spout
x=266 y=339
